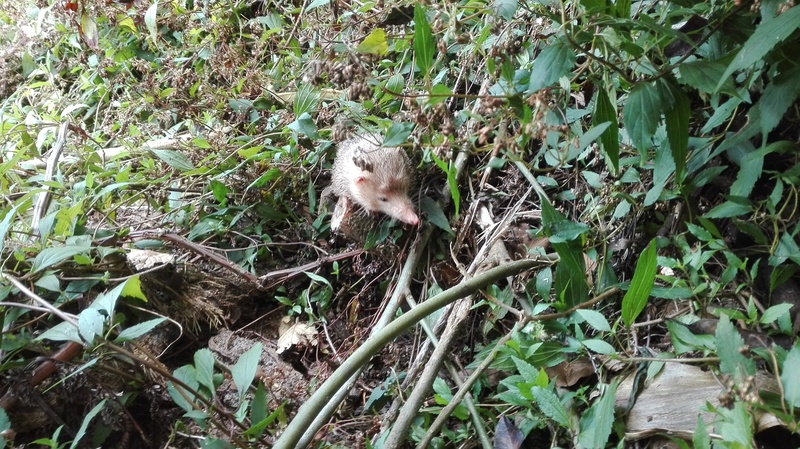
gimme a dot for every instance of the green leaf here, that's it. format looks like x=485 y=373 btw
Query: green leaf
x=595 y=319
x=375 y=43
x=439 y=93
x=188 y=375
x=642 y=283
x=245 y=369
x=5 y=424
x=775 y=312
x=596 y=422
x=729 y=209
x=701 y=439
x=549 y=404
x=704 y=76
x=641 y=114
x=174 y=159
x=85 y=424
x=604 y=111
x=544 y=282
x=762 y=41
x=51 y=256
x=553 y=62
x=434 y=213
x=305 y=103
x=90 y=324
x=204 y=369
x=138 y=330
x=397 y=134
x=304 y=125
x=259 y=408
x=789 y=377
x=599 y=346
x=729 y=342
x=677 y=122
x=61 y=332
x=423 y=41
x=505 y=8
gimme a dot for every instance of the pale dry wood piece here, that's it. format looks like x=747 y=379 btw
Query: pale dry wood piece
x=670 y=403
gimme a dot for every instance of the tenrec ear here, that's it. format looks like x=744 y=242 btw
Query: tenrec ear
x=359 y=179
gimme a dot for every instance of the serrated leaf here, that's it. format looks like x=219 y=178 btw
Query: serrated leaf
x=604 y=111
x=245 y=369
x=549 y=404
x=553 y=62
x=641 y=114
x=90 y=325
x=595 y=319
x=762 y=41
x=642 y=283
x=729 y=343
x=174 y=159
x=677 y=124
x=137 y=330
x=596 y=422
x=423 y=41
x=701 y=439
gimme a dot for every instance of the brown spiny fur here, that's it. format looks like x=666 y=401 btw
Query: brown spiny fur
x=374 y=177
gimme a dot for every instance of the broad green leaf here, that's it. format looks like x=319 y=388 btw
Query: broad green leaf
x=549 y=404
x=85 y=424
x=305 y=103
x=778 y=96
x=204 y=368
x=505 y=8
x=677 y=123
x=701 y=439
x=641 y=114
x=174 y=159
x=424 y=44
x=762 y=41
x=597 y=421
x=137 y=330
x=789 y=377
x=599 y=346
x=106 y=301
x=434 y=214
x=750 y=169
x=642 y=283
x=729 y=209
x=397 y=134
x=704 y=76
x=775 y=312
x=544 y=282
x=259 y=408
x=188 y=375
x=528 y=372
x=304 y=125
x=553 y=62
x=90 y=324
x=736 y=424
x=245 y=369
x=729 y=344
x=439 y=93
x=61 y=332
x=52 y=256
x=592 y=134
x=604 y=111
x=595 y=319
x=375 y=43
